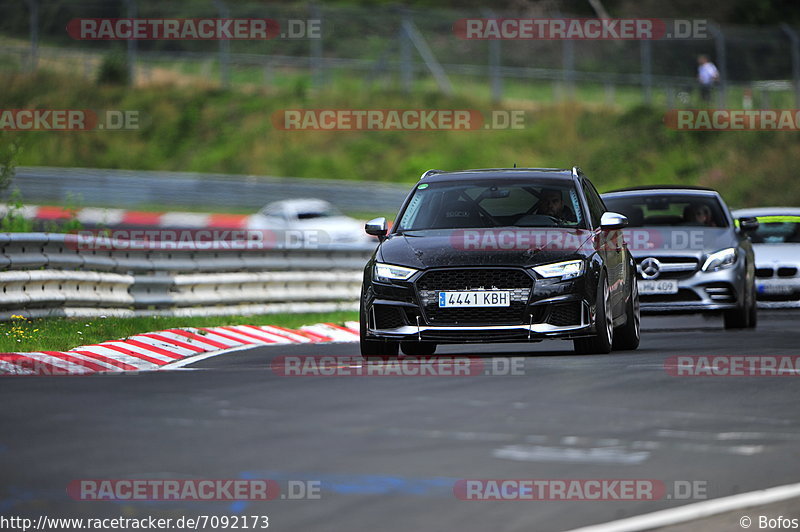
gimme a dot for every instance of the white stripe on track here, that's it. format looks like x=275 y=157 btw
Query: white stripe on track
x=260 y=333
x=299 y=338
x=181 y=351
x=699 y=510
x=140 y=350
x=122 y=357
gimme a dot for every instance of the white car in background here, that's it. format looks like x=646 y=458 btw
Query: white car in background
x=776 y=244
x=309 y=222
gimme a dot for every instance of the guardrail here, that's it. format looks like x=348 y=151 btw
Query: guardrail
x=48 y=274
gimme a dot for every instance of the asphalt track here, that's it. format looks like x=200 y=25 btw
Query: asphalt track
x=387 y=451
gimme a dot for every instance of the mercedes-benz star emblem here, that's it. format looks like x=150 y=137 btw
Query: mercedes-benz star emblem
x=650 y=268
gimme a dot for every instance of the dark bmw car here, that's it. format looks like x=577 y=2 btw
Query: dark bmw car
x=690 y=255
x=500 y=255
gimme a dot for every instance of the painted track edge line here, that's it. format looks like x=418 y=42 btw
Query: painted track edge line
x=699 y=510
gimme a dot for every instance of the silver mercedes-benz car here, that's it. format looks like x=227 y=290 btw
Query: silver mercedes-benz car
x=691 y=256
x=776 y=244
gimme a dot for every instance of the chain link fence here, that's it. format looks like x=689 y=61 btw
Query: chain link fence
x=396 y=48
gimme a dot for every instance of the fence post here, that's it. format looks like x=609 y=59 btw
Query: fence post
x=131 y=13
x=406 y=68
x=317 y=73
x=646 y=52
x=795 y=40
x=568 y=61
x=494 y=64
x=722 y=63
x=33 y=8
x=224 y=47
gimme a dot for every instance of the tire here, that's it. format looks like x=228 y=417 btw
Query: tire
x=374 y=348
x=739 y=318
x=753 y=318
x=626 y=337
x=418 y=349
x=603 y=340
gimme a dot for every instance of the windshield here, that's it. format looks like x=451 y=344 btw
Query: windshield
x=668 y=210
x=501 y=203
x=777 y=230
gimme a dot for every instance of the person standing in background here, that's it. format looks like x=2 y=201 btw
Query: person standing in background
x=707 y=75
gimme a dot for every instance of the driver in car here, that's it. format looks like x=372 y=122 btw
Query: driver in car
x=551 y=203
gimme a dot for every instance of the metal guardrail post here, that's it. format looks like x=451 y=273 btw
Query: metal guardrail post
x=646 y=51
x=795 y=46
x=568 y=62
x=721 y=63
x=33 y=7
x=496 y=79
x=224 y=47
x=317 y=65
x=406 y=65
x=131 y=13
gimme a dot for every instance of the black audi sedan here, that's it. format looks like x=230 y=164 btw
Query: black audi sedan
x=500 y=255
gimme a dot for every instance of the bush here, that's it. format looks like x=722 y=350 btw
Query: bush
x=114 y=69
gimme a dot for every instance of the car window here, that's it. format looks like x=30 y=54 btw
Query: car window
x=596 y=206
x=777 y=230
x=501 y=203
x=668 y=209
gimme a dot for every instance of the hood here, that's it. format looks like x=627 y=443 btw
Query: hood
x=678 y=241
x=771 y=254
x=485 y=247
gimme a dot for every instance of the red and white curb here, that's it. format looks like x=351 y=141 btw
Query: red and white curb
x=164 y=349
x=125 y=218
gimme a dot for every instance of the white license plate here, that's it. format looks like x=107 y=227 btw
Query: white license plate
x=658 y=287
x=775 y=289
x=483 y=298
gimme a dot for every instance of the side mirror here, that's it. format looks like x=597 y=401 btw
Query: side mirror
x=612 y=220
x=748 y=224
x=377 y=227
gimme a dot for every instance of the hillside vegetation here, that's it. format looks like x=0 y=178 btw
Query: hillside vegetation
x=212 y=130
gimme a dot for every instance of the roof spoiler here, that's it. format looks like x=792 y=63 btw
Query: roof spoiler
x=431 y=172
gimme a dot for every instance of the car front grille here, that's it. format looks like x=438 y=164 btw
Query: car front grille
x=671 y=267
x=513 y=280
x=388 y=317
x=787 y=271
x=764 y=272
x=565 y=314
x=721 y=293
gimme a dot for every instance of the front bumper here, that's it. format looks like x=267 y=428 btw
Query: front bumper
x=405 y=310
x=486 y=333
x=699 y=292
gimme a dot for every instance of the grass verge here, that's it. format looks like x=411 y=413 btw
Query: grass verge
x=61 y=334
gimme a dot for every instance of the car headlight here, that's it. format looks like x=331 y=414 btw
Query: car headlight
x=724 y=258
x=390 y=272
x=566 y=270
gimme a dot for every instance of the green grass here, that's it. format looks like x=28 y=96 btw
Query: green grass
x=61 y=334
x=212 y=130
